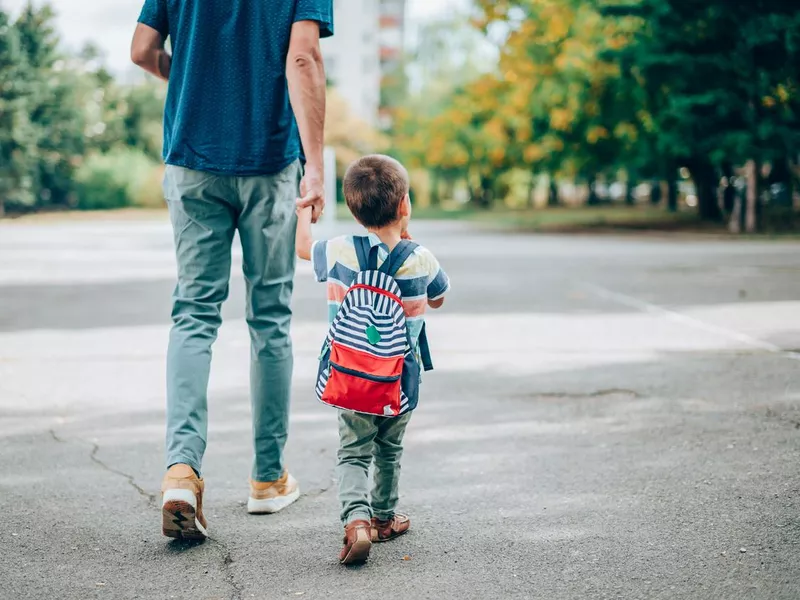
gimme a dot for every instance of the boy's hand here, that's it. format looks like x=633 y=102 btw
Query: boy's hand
x=436 y=303
x=303 y=239
x=304 y=212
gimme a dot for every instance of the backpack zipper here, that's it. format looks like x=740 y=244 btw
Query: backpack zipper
x=367 y=376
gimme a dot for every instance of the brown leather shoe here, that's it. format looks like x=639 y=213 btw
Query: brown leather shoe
x=357 y=543
x=182 y=504
x=383 y=531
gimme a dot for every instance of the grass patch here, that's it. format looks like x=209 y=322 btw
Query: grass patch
x=562 y=218
x=589 y=218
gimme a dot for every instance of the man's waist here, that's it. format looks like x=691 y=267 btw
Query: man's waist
x=268 y=166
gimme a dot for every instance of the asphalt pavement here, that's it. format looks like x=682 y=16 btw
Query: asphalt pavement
x=610 y=417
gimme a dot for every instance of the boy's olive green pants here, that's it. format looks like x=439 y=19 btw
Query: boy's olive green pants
x=206 y=211
x=362 y=440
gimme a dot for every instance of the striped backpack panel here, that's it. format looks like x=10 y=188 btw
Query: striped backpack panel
x=367 y=363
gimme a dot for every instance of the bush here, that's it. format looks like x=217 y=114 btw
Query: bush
x=118 y=179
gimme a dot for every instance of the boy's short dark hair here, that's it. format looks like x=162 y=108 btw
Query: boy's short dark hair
x=374 y=186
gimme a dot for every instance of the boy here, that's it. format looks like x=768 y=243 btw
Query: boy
x=376 y=191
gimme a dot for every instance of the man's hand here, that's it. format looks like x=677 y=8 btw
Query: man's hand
x=312 y=194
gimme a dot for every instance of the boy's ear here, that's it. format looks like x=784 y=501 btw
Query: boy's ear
x=405 y=207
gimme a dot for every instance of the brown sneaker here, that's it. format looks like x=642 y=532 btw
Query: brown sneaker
x=182 y=504
x=383 y=531
x=357 y=543
x=271 y=496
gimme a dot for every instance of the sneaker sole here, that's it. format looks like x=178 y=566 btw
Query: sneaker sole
x=271 y=505
x=179 y=517
x=359 y=551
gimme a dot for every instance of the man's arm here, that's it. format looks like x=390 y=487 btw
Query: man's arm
x=305 y=74
x=303 y=239
x=147 y=51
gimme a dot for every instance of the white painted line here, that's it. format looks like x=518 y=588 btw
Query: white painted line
x=677 y=317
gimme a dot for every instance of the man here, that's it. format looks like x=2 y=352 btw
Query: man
x=246 y=87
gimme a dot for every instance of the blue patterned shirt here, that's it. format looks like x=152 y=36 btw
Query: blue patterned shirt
x=227 y=107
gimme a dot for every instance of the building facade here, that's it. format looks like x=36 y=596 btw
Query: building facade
x=366 y=50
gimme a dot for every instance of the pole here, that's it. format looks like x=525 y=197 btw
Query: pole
x=329 y=217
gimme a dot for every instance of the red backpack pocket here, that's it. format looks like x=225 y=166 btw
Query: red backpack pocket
x=363 y=382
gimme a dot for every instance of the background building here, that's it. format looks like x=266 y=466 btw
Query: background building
x=366 y=53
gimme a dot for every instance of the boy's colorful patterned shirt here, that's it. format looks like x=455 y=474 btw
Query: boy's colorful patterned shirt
x=420 y=278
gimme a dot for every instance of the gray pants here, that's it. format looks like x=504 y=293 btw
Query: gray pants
x=362 y=439
x=206 y=210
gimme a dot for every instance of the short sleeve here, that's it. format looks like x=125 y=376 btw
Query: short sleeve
x=319 y=260
x=154 y=15
x=438 y=281
x=320 y=11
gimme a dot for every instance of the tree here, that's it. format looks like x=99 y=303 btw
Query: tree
x=12 y=164
x=347 y=134
x=721 y=81
x=52 y=141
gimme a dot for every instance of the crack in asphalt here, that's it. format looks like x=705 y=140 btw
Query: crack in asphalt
x=227 y=561
x=316 y=493
x=224 y=551
x=151 y=498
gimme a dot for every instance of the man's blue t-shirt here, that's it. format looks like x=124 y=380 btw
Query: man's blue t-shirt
x=227 y=107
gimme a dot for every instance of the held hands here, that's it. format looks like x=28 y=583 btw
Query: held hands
x=304 y=213
x=312 y=194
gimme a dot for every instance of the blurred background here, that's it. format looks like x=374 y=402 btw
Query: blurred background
x=540 y=114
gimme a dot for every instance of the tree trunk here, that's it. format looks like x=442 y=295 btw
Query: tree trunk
x=593 y=199
x=435 y=199
x=450 y=188
x=552 y=197
x=751 y=168
x=485 y=194
x=705 y=183
x=737 y=214
x=655 y=193
x=672 y=194
x=728 y=191
x=531 y=203
x=630 y=188
x=781 y=177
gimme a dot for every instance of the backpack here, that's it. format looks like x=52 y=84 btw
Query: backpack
x=368 y=362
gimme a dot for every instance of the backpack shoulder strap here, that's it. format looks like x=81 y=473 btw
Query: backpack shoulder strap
x=425 y=350
x=366 y=253
x=398 y=257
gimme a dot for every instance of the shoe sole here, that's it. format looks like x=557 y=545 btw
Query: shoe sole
x=359 y=551
x=179 y=516
x=271 y=505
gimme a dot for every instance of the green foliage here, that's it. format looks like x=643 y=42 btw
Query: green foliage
x=721 y=81
x=587 y=88
x=58 y=109
x=123 y=177
x=13 y=166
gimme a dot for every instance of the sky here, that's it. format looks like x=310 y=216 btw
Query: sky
x=109 y=23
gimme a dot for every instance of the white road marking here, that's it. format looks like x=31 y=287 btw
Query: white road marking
x=683 y=319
